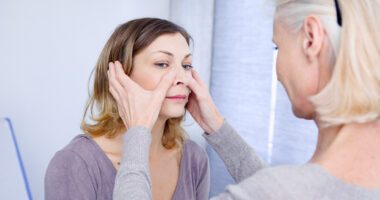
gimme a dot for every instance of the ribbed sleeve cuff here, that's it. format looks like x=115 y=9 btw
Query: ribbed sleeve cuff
x=137 y=144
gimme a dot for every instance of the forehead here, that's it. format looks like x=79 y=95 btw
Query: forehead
x=174 y=43
x=279 y=30
x=275 y=29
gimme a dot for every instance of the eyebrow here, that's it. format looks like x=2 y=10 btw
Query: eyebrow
x=170 y=54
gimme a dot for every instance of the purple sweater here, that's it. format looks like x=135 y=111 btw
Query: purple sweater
x=81 y=170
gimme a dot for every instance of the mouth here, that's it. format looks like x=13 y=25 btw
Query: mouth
x=177 y=97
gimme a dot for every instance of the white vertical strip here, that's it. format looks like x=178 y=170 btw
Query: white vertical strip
x=196 y=16
x=272 y=116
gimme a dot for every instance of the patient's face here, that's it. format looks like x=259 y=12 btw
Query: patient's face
x=169 y=52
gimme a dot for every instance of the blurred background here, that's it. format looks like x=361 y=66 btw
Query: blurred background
x=48 y=49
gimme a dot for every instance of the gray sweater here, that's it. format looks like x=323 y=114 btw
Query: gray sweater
x=255 y=179
x=81 y=170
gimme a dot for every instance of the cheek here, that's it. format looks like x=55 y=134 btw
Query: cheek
x=147 y=80
x=281 y=67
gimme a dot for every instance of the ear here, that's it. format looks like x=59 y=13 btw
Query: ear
x=313 y=36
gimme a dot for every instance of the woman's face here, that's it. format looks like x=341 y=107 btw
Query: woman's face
x=300 y=66
x=168 y=52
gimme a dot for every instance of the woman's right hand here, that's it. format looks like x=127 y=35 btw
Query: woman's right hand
x=137 y=106
x=202 y=107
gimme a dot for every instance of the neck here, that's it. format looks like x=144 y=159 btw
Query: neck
x=351 y=153
x=326 y=137
x=347 y=143
x=157 y=133
x=115 y=145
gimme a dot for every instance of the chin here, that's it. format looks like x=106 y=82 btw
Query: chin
x=302 y=113
x=173 y=113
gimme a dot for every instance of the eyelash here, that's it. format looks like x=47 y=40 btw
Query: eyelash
x=162 y=65
x=275 y=47
x=188 y=67
x=165 y=65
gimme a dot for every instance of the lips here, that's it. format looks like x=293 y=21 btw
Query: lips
x=177 y=97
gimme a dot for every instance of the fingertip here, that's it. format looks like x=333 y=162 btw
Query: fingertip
x=118 y=63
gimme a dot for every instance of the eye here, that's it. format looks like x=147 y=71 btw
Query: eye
x=187 y=67
x=275 y=47
x=162 y=65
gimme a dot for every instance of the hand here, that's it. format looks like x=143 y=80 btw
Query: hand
x=137 y=106
x=201 y=106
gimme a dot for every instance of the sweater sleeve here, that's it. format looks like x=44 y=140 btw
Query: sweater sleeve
x=133 y=178
x=68 y=178
x=239 y=158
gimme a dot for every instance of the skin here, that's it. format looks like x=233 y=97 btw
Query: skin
x=168 y=53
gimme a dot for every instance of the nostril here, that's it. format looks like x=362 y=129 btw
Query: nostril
x=179 y=83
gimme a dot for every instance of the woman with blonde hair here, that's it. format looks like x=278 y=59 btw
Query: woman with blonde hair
x=155 y=54
x=328 y=61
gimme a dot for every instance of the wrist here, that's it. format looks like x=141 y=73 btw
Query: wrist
x=218 y=122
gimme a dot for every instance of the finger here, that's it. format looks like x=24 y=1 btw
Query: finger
x=190 y=103
x=114 y=94
x=194 y=86
x=164 y=84
x=111 y=77
x=122 y=115
x=198 y=78
x=111 y=71
x=123 y=79
x=115 y=88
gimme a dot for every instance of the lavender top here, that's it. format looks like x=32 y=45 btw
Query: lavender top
x=81 y=170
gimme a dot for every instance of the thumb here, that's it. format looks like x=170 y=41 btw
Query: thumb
x=164 y=84
x=194 y=86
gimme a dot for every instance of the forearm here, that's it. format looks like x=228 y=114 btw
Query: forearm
x=133 y=178
x=239 y=158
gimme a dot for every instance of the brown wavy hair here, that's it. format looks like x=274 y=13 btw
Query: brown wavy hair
x=126 y=41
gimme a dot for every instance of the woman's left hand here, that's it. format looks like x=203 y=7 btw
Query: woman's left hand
x=202 y=107
x=137 y=106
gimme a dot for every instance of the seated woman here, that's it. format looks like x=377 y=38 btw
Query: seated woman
x=147 y=49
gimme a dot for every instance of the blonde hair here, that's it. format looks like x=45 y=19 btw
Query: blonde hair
x=353 y=92
x=126 y=41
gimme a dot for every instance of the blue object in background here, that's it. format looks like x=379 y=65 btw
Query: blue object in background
x=13 y=180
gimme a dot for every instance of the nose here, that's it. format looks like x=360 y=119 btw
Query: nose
x=182 y=76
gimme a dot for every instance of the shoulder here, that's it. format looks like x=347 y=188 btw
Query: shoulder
x=294 y=175
x=297 y=174
x=195 y=152
x=284 y=182
x=79 y=152
x=71 y=171
x=81 y=145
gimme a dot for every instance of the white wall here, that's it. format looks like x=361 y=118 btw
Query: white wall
x=47 y=51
